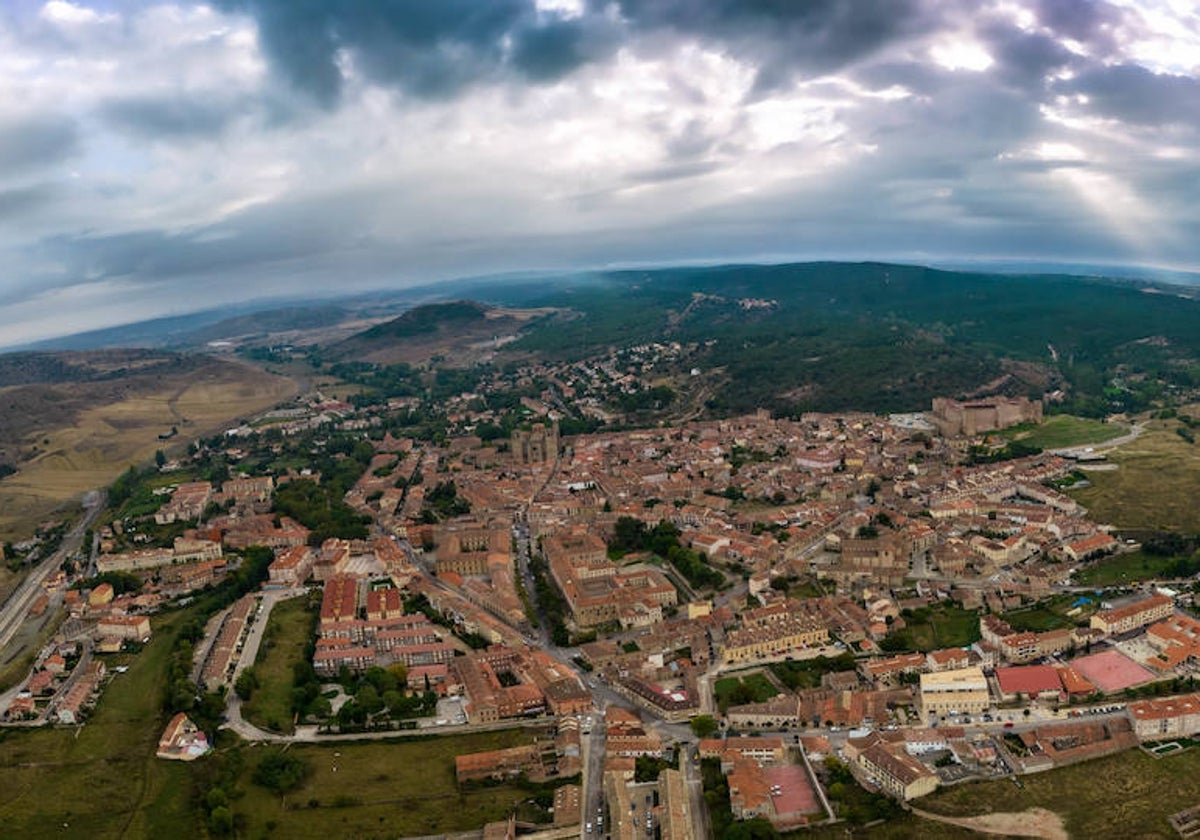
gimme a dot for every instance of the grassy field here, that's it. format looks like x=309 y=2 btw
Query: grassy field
x=101 y=780
x=378 y=789
x=1155 y=486
x=1061 y=430
x=751 y=688
x=932 y=628
x=1122 y=569
x=92 y=449
x=1050 y=614
x=1126 y=795
x=289 y=629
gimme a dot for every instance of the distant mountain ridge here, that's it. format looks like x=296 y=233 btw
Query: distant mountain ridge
x=523 y=288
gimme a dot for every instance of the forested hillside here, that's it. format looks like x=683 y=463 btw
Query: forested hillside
x=888 y=337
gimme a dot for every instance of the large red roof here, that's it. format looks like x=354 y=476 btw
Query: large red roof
x=1028 y=679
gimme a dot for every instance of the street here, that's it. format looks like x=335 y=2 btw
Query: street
x=593 y=775
x=15 y=609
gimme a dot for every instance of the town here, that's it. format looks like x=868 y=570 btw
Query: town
x=761 y=607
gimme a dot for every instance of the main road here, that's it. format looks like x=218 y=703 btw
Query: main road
x=16 y=607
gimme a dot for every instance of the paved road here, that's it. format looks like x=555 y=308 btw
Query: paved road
x=258 y=627
x=16 y=607
x=233 y=703
x=690 y=765
x=1134 y=432
x=593 y=774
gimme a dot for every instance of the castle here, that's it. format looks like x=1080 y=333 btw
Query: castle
x=954 y=418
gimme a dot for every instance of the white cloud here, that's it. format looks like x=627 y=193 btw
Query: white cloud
x=956 y=54
x=62 y=13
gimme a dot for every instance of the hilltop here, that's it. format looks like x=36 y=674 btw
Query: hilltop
x=458 y=333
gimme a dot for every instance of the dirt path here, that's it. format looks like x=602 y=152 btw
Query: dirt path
x=1034 y=822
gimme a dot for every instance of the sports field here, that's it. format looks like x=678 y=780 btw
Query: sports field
x=1111 y=671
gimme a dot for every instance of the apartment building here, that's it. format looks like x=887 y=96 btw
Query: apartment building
x=290 y=568
x=895 y=772
x=747 y=644
x=127 y=627
x=1132 y=616
x=186 y=503
x=1166 y=717
x=761 y=750
x=1020 y=647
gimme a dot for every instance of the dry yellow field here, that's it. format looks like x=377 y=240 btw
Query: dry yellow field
x=106 y=439
x=1155 y=485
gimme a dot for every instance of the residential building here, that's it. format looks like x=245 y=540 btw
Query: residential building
x=897 y=773
x=762 y=750
x=125 y=627
x=1166 y=717
x=793 y=633
x=1091 y=546
x=291 y=567
x=1132 y=616
x=949 y=659
x=182 y=740
x=186 y=503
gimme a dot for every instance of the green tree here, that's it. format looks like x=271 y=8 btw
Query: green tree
x=281 y=772
x=704 y=726
x=368 y=698
x=245 y=684
x=220 y=821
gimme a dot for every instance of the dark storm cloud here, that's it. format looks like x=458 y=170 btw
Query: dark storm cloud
x=16 y=203
x=673 y=172
x=34 y=142
x=430 y=50
x=785 y=37
x=1133 y=94
x=727 y=130
x=696 y=138
x=255 y=237
x=1025 y=59
x=1089 y=22
x=241 y=250
x=171 y=117
x=921 y=79
x=434 y=50
x=551 y=50
x=962 y=120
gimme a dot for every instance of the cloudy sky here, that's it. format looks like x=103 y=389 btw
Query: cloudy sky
x=157 y=158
